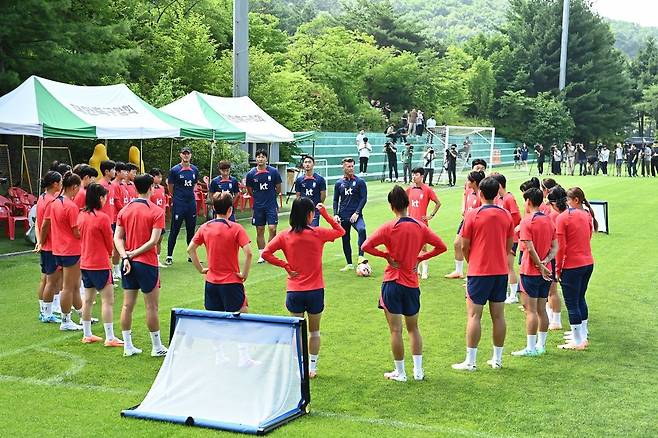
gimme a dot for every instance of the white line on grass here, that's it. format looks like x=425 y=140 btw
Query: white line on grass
x=405 y=425
x=49 y=383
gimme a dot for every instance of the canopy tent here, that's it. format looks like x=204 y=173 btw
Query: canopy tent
x=229 y=114
x=48 y=109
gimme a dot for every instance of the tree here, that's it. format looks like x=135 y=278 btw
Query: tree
x=644 y=73
x=597 y=92
x=481 y=85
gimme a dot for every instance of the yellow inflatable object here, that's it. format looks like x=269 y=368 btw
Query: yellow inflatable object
x=133 y=157
x=100 y=154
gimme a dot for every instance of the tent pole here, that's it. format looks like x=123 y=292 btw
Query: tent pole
x=22 y=161
x=171 y=153
x=141 y=155
x=212 y=154
x=313 y=150
x=40 y=158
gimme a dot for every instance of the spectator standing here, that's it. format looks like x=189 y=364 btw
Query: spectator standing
x=557 y=161
x=387 y=112
x=468 y=145
x=413 y=116
x=539 y=152
x=654 y=159
x=571 y=158
x=646 y=168
x=420 y=123
x=364 y=155
x=429 y=159
x=451 y=164
x=604 y=157
x=407 y=160
x=404 y=120
x=631 y=159
x=392 y=155
x=581 y=156
x=524 y=155
x=619 y=158
x=391 y=133
x=431 y=127
x=517 y=157
x=359 y=137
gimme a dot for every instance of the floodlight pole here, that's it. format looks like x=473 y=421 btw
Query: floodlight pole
x=240 y=48
x=565 y=41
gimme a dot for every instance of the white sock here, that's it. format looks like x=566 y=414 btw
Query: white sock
x=47 y=309
x=86 y=328
x=399 y=367
x=549 y=313
x=56 y=301
x=425 y=267
x=117 y=270
x=459 y=266
x=127 y=338
x=498 y=354
x=155 y=340
x=577 y=336
x=557 y=318
x=418 y=362
x=260 y=253
x=541 y=339
x=513 y=288
x=532 y=342
x=313 y=362
x=41 y=304
x=471 y=354
x=585 y=329
x=109 y=331
x=66 y=317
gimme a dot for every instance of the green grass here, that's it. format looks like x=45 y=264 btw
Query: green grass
x=51 y=384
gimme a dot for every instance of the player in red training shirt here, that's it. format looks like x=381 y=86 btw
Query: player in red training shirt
x=88 y=176
x=486 y=240
x=51 y=277
x=507 y=201
x=130 y=181
x=96 y=241
x=305 y=285
x=554 y=304
x=471 y=200
x=403 y=238
x=139 y=226
x=159 y=198
x=62 y=219
x=108 y=171
x=538 y=235
x=223 y=240
x=575 y=264
x=420 y=196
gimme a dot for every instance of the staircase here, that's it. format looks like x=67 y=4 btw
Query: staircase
x=332 y=147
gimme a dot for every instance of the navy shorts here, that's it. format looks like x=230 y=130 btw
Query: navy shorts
x=48 y=262
x=141 y=276
x=225 y=297
x=310 y=301
x=265 y=216
x=535 y=286
x=114 y=228
x=183 y=209
x=515 y=246
x=520 y=257
x=67 y=261
x=398 y=299
x=483 y=288
x=459 y=228
x=96 y=279
x=316 y=219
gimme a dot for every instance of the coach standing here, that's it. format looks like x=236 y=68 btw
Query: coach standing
x=181 y=182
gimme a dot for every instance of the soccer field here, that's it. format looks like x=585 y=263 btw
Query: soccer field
x=53 y=385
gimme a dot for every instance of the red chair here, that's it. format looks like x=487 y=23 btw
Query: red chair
x=20 y=200
x=244 y=196
x=7 y=212
x=200 y=198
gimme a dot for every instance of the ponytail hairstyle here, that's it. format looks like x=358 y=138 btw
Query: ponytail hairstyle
x=299 y=212
x=558 y=196
x=577 y=193
x=50 y=178
x=93 y=197
x=548 y=183
x=532 y=183
x=70 y=179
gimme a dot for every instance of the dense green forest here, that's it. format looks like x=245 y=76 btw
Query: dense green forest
x=318 y=64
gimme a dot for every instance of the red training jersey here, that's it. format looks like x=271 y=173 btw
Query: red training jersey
x=108 y=208
x=158 y=197
x=538 y=229
x=138 y=219
x=508 y=202
x=546 y=208
x=132 y=190
x=471 y=202
x=574 y=232
x=120 y=195
x=488 y=228
x=81 y=198
x=223 y=240
x=419 y=199
x=404 y=239
x=63 y=215
x=43 y=206
x=303 y=252
x=96 y=239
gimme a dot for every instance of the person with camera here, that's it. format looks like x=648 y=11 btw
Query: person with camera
x=646 y=163
x=631 y=160
x=654 y=159
x=539 y=153
x=364 y=155
x=571 y=157
x=391 y=152
x=581 y=156
x=604 y=156
x=451 y=164
x=619 y=159
x=556 y=168
x=407 y=160
x=429 y=159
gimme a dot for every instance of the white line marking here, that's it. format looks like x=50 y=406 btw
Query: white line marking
x=404 y=425
x=49 y=383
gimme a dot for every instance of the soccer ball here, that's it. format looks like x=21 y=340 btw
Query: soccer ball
x=363 y=269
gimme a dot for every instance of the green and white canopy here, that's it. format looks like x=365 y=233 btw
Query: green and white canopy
x=48 y=109
x=229 y=115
